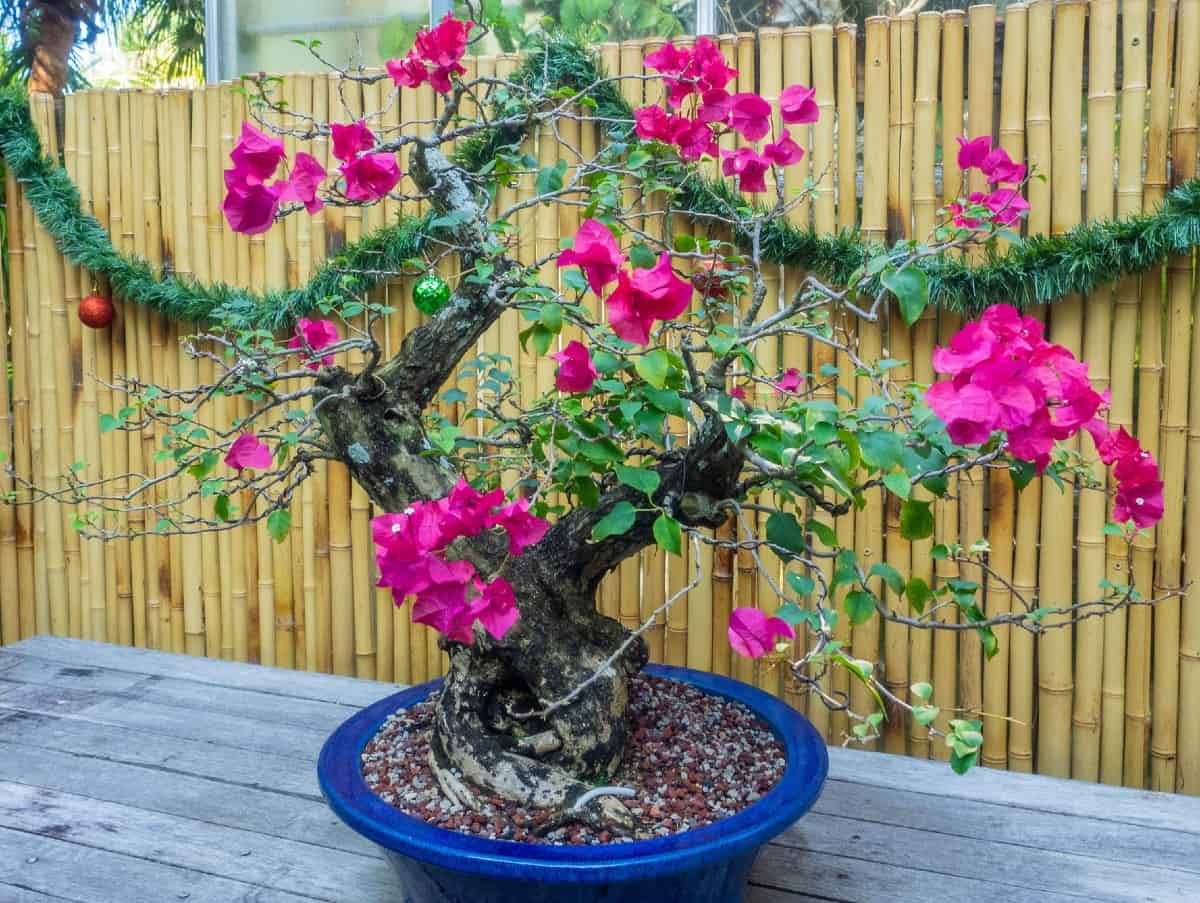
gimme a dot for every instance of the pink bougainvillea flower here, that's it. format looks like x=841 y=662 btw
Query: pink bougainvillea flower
x=972 y=153
x=959 y=211
x=495 y=607
x=711 y=69
x=302 y=183
x=646 y=296
x=523 y=529
x=315 y=335
x=750 y=115
x=249 y=208
x=753 y=634
x=997 y=167
x=798 y=105
x=445 y=43
x=1142 y=504
x=440 y=77
x=695 y=139
x=668 y=59
x=973 y=344
x=576 y=372
x=655 y=124
x=708 y=281
x=715 y=106
x=371 y=176
x=596 y=253
x=256 y=156
x=749 y=166
x=410 y=72
x=969 y=412
x=789 y=382
x=785 y=151
x=1006 y=205
x=350 y=140
x=738 y=392
x=248 y=450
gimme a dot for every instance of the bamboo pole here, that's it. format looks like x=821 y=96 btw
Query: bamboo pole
x=68 y=340
x=1134 y=43
x=1173 y=444
x=22 y=453
x=924 y=332
x=1056 y=572
x=1150 y=379
x=1000 y=490
x=946 y=530
x=902 y=59
x=123 y=350
x=1097 y=341
x=10 y=600
x=1025 y=560
x=50 y=281
x=847 y=106
x=869 y=519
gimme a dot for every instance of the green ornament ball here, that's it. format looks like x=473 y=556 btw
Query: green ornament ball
x=430 y=294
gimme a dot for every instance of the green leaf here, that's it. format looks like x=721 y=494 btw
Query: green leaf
x=668 y=535
x=801 y=584
x=642 y=478
x=221 y=507
x=108 y=423
x=616 y=522
x=859 y=605
x=550 y=178
x=784 y=535
x=922 y=691
x=881 y=449
x=911 y=288
x=823 y=532
x=279 y=523
x=656 y=367
x=916 y=519
x=898 y=484
x=890 y=576
x=642 y=257
x=1022 y=473
x=925 y=714
x=917 y=591
x=962 y=764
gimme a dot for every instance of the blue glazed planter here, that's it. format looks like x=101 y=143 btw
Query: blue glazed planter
x=705 y=865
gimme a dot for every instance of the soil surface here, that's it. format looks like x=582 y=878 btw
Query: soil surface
x=692 y=759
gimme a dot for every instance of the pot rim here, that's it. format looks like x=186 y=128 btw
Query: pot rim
x=352 y=800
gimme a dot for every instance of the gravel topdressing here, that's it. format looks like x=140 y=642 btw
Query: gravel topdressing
x=692 y=758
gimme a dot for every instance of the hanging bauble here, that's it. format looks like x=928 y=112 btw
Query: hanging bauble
x=96 y=311
x=430 y=293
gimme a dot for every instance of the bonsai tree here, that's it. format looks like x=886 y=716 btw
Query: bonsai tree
x=672 y=421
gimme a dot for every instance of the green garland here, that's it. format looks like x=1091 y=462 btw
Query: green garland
x=1039 y=269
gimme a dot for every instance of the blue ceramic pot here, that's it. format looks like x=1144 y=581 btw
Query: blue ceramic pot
x=705 y=865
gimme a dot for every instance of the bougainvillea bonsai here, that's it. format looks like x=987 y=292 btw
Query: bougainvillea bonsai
x=665 y=421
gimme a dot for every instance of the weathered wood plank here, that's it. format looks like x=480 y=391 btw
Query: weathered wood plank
x=245 y=856
x=1006 y=864
x=1155 y=847
x=12 y=893
x=45 y=865
x=284 y=682
x=181 y=693
x=266 y=812
x=230 y=765
x=843 y=878
x=1172 y=811
x=233 y=730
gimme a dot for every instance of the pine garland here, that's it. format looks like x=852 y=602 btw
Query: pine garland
x=1040 y=269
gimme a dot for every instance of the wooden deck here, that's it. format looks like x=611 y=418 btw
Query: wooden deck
x=129 y=776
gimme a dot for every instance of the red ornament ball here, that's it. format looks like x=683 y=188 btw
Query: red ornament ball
x=96 y=311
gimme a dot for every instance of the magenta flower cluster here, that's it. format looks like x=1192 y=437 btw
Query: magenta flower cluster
x=704 y=74
x=1006 y=377
x=449 y=596
x=251 y=203
x=1004 y=202
x=434 y=57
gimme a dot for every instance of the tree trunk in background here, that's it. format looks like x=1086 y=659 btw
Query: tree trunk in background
x=50 y=31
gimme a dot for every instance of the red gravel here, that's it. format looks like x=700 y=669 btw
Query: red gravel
x=692 y=758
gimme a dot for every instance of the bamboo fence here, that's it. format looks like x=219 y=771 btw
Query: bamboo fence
x=1102 y=98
